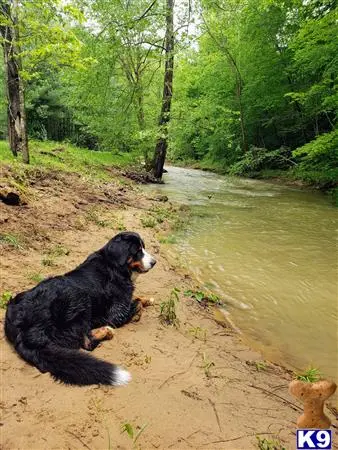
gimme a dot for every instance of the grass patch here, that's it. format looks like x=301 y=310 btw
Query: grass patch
x=80 y=223
x=5 y=298
x=92 y=215
x=199 y=333
x=168 y=314
x=171 y=239
x=311 y=375
x=114 y=222
x=207 y=365
x=37 y=277
x=58 y=250
x=48 y=261
x=162 y=213
x=118 y=223
x=49 y=258
x=158 y=215
x=148 y=221
x=269 y=444
x=203 y=297
x=12 y=240
x=68 y=158
x=260 y=365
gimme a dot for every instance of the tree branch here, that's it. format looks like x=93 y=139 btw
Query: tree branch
x=146 y=11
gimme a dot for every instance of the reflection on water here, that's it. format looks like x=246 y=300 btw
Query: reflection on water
x=271 y=253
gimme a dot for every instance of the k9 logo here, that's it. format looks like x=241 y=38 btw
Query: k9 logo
x=314 y=439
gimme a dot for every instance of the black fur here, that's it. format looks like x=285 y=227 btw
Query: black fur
x=49 y=324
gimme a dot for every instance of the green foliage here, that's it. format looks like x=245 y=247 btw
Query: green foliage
x=119 y=88
x=199 y=333
x=58 y=250
x=37 y=277
x=203 y=297
x=203 y=124
x=171 y=239
x=117 y=222
x=12 y=240
x=48 y=261
x=93 y=215
x=45 y=38
x=67 y=158
x=133 y=433
x=5 y=298
x=128 y=428
x=260 y=84
x=315 y=58
x=168 y=309
x=318 y=160
x=269 y=444
x=260 y=365
x=259 y=159
x=311 y=375
x=148 y=221
x=285 y=54
x=158 y=215
x=207 y=365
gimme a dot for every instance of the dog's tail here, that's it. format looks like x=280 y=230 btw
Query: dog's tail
x=73 y=366
x=76 y=367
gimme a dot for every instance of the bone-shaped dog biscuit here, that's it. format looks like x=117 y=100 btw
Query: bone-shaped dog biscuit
x=313 y=395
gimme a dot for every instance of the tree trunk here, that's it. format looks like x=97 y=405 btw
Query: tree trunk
x=162 y=142
x=239 y=88
x=140 y=109
x=16 y=115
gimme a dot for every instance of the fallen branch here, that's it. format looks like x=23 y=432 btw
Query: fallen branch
x=234 y=439
x=178 y=373
x=292 y=405
x=171 y=377
x=79 y=439
x=216 y=414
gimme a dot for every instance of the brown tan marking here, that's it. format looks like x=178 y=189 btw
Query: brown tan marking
x=103 y=333
x=144 y=301
x=136 y=265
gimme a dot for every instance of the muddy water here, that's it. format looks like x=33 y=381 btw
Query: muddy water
x=270 y=251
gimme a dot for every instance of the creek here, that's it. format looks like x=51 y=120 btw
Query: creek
x=270 y=252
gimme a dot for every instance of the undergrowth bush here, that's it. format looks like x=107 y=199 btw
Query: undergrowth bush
x=257 y=159
x=318 y=161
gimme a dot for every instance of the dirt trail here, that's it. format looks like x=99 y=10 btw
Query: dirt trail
x=187 y=392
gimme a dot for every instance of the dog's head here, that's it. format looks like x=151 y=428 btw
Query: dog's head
x=127 y=251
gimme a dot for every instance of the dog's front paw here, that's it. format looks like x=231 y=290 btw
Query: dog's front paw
x=145 y=301
x=110 y=333
x=103 y=333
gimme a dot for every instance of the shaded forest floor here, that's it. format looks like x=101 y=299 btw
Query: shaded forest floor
x=195 y=386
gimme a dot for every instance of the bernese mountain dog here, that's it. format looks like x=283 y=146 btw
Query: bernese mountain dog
x=49 y=324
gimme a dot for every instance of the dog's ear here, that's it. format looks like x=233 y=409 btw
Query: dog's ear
x=118 y=251
x=120 y=248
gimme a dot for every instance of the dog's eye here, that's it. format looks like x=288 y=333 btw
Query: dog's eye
x=139 y=254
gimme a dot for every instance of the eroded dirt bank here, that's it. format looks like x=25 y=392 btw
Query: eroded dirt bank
x=196 y=386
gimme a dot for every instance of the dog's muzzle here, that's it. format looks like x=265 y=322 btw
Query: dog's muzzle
x=148 y=261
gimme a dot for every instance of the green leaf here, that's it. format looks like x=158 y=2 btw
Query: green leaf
x=127 y=427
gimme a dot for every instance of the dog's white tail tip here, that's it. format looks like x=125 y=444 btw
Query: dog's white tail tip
x=120 y=377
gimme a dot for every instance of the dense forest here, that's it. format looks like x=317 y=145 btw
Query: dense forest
x=246 y=87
